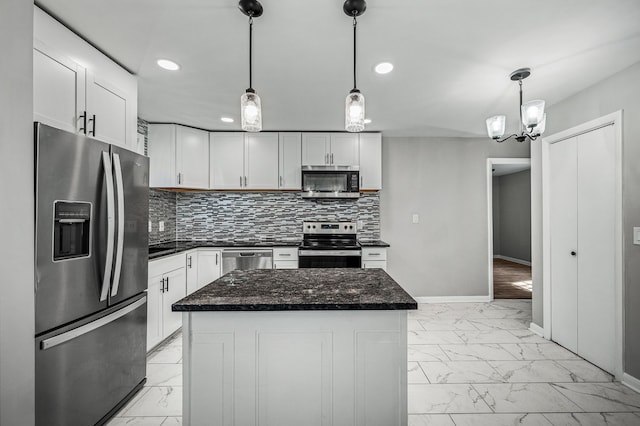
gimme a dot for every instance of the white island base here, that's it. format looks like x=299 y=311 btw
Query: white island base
x=295 y=368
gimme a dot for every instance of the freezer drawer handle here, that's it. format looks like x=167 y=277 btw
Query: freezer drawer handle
x=87 y=328
x=120 y=232
x=108 y=263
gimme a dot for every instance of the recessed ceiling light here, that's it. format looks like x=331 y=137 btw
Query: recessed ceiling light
x=226 y=119
x=168 y=64
x=383 y=67
x=367 y=121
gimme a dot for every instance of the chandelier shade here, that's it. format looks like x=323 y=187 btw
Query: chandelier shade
x=496 y=126
x=532 y=113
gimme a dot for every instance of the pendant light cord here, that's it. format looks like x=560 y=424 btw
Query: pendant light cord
x=522 y=129
x=250 y=49
x=355 y=23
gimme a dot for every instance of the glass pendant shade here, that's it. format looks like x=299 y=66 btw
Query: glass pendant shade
x=496 y=126
x=354 y=112
x=540 y=128
x=532 y=113
x=251 y=112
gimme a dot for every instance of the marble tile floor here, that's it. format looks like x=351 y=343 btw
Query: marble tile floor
x=468 y=364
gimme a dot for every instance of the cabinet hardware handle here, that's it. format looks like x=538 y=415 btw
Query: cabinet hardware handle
x=361 y=180
x=326 y=158
x=84 y=122
x=240 y=181
x=332 y=158
x=573 y=253
x=167 y=283
x=162 y=282
x=189 y=262
x=280 y=180
x=285 y=254
x=245 y=181
x=374 y=254
x=93 y=119
x=216 y=258
x=179 y=178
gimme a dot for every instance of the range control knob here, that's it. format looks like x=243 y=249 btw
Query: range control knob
x=314 y=227
x=350 y=226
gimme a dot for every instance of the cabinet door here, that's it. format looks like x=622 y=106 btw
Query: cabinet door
x=107 y=111
x=370 y=161
x=209 y=262
x=261 y=161
x=154 y=309
x=162 y=155
x=369 y=264
x=315 y=149
x=226 y=160
x=285 y=264
x=58 y=89
x=192 y=158
x=175 y=289
x=290 y=151
x=344 y=149
x=192 y=271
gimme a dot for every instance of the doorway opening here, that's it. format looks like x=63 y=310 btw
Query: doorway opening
x=509 y=214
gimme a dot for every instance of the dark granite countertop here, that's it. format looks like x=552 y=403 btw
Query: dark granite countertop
x=299 y=290
x=165 y=249
x=373 y=243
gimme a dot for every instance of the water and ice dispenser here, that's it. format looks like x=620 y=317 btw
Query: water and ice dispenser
x=71 y=230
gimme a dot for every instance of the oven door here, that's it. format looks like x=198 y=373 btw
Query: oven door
x=329 y=258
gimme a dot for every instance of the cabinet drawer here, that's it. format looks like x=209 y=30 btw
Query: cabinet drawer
x=285 y=264
x=288 y=253
x=376 y=253
x=166 y=264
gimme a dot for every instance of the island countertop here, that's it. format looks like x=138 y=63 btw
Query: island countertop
x=299 y=290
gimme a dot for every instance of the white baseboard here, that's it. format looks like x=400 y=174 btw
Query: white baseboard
x=536 y=329
x=512 y=259
x=453 y=299
x=631 y=382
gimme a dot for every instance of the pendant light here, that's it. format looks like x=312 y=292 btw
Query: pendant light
x=250 y=107
x=354 y=104
x=532 y=117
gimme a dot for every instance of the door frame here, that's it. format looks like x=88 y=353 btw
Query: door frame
x=490 y=163
x=614 y=119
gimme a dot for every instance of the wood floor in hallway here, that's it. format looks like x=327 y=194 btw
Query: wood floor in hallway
x=511 y=280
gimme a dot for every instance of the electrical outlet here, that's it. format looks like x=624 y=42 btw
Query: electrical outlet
x=360 y=225
x=161 y=226
x=150 y=226
x=415 y=218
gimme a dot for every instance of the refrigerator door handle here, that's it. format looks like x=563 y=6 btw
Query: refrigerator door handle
x=87 y=328
x=120 y=230
x=108 y=262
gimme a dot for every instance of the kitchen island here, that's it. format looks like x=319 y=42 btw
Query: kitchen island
x=296 y=347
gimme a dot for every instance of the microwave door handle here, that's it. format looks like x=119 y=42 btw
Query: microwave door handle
x=120 y=231
x=108 y=261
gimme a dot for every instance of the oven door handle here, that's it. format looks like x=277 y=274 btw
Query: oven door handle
x=330 y=253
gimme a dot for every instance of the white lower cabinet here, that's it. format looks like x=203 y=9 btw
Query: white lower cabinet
x=192 y=271
x=374 y=257
x=209 y=266
x=167 y=278
x=285 y=258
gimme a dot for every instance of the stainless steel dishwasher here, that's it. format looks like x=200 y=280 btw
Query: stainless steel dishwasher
x=245 y=259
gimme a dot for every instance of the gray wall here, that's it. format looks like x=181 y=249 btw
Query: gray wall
x=444 y=180
x=620 y=91
x=16 y=248
x=514 y=215
x=495 y=210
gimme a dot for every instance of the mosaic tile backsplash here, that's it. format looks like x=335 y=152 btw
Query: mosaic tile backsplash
x=162 y=207
x=259 y=215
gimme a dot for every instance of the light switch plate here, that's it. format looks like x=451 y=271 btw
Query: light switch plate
x=161 y=226
x=415 y=218
x=150 y=226
x=636 y=235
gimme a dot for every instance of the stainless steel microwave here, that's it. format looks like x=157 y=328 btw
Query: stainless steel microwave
x=330 y=182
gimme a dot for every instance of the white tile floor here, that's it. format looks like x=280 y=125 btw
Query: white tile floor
x=469 y=364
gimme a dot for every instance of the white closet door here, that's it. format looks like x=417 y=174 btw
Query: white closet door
x=596 y=247
x=563 y=229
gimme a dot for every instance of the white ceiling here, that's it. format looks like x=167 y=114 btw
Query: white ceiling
x=452 y=57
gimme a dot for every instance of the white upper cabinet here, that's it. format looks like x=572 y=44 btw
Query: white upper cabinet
x=89 y=94
x=325 y=149
x=290 y=152
x=370 y=161
x=58 y=89
x=244 y=160
x=261 y=161
x=344 y=149
x=192 y=158
x=179 y=157
x=227 y=160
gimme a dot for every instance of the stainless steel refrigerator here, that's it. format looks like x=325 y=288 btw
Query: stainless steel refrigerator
x=92 y=208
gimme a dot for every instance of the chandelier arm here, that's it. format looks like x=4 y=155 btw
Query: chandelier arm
x=515 y=135
x=520 y=108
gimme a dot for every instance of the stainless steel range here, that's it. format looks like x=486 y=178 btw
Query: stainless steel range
x=329 y=245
